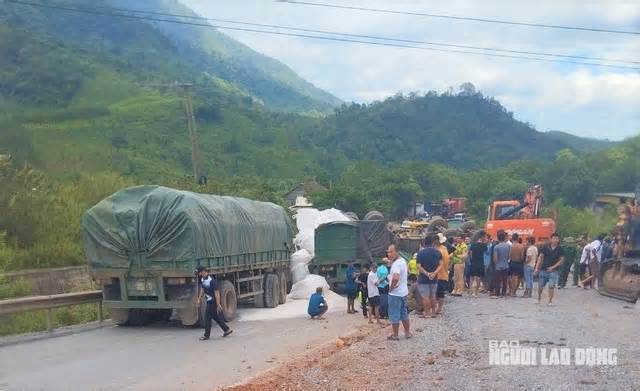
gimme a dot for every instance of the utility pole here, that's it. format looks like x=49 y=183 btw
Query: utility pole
x=192 y=131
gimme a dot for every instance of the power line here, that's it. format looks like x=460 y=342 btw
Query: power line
x=454 y=17
x=392 y=39
x=337 y=39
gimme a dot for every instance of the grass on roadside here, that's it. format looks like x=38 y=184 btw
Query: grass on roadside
x=29 y=322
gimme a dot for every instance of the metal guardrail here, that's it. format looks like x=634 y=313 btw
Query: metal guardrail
x=34 y=303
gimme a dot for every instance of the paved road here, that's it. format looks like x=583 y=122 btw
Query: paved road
x=452 y=352
x=162 y=356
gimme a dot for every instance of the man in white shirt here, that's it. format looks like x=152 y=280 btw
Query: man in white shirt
x=398 y=291
x=595 y=257
x=373 y=294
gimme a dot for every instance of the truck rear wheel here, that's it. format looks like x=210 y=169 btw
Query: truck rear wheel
x=138 y=317
x=282 y=278
x=228 y=300
x=119 y=316
x=189 y=316
x=272 y=291
x=258 y=300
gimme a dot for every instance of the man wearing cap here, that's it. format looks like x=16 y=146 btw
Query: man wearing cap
x=210 y=289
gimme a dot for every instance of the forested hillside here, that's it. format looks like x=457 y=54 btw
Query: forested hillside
x=148 y=51
x=82 y=115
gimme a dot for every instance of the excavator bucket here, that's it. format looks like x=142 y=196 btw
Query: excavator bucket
x=621 y=279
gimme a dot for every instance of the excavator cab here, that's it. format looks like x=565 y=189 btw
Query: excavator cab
x=620 y=278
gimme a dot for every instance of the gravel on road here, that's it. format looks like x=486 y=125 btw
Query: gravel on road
x=452 y=351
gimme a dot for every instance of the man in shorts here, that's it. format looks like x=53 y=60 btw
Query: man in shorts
x=398 y=291
x=550 y=259
x=429 y=265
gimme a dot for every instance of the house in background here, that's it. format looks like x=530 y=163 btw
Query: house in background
x=302 y=190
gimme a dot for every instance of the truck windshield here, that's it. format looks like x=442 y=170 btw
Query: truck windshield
x=502 y=210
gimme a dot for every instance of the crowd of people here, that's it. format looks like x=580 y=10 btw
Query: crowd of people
x=466 y=265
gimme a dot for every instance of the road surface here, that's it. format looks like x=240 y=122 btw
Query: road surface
x=162 y=356
x=452 y=352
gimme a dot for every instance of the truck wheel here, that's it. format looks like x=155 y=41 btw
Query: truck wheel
x=284 y=286
x=452 y=232
x=229 y=300
x=138 y=317
x=437 y=224
x=189 y=316
x=272 y=291
x=162 y=315
x=258 y=300
x=468 y=226
x=119 y=316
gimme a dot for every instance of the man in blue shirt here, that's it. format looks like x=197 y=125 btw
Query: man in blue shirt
x=382 y=272
x=317 y=305
x=351 y=287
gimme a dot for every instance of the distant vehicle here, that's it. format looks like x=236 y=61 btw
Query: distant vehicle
x=143 y=244
x=447 y=208
x=521 y=217
x=337 y=243
x=459 y=216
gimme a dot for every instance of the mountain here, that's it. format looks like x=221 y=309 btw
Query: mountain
x=581 y=144
x=152 y=51
x=79 y=94
x=464 y=129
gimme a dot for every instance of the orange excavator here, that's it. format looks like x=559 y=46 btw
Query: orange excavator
x=521 y=217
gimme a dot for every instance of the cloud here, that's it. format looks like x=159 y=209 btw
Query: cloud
x=582 y=100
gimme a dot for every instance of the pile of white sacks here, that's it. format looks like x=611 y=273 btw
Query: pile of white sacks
x=307 y=220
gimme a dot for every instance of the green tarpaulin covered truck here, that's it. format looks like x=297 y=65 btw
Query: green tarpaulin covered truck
x=143 y=244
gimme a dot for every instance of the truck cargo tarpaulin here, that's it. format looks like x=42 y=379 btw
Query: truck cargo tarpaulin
x=159 y=224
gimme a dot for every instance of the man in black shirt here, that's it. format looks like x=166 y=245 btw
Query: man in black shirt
x=209 y=289
x=362 y=287
x=549 y=261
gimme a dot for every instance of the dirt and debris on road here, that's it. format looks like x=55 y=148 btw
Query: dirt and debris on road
x=452 y=352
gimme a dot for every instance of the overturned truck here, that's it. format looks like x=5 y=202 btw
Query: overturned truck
x=143 y=244
x=620 y=277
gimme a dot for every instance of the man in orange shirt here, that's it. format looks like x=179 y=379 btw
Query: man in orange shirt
x=443 y=275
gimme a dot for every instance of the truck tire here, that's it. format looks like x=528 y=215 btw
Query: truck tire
x=437 y=224
x=189 y=316
x=229 y=300
x=162 y=315
x=373 y=215
x=258 y=300
x=272 y=291
x=453 y=232
x=119 y=316
x=138 y=317
x=284 y=286
x=468 y=226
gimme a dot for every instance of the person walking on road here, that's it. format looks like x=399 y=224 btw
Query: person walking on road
x=516 y=264
x=398 y=291
x=549 y=260
x=429 y=265
x=210 y=290
x=530 y=265
x=459 y=257
x=501 y=253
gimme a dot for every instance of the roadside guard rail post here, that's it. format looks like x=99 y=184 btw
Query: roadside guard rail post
x=34 y=303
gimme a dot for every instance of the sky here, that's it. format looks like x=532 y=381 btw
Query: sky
x=582 y=100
